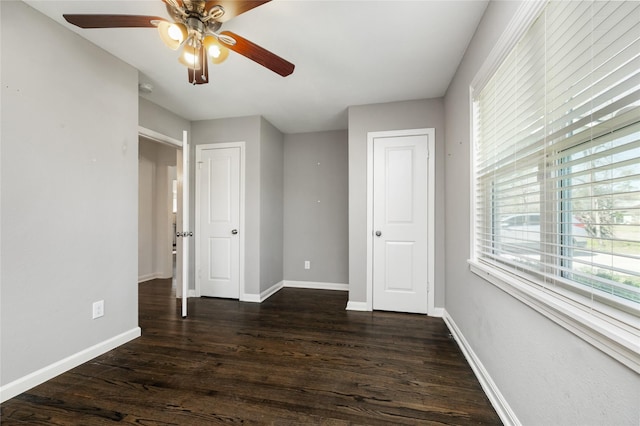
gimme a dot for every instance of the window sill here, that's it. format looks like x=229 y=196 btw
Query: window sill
x=620 y=343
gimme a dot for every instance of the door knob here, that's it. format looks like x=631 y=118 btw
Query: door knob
x=234 y=231
x=378 y=233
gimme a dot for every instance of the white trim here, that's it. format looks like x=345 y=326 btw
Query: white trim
x=431 y=222
x=186 y=224
x=40 y=376
x=199 y=148
x=316 y=285
x=152 y=276
x=251 y=298
x=526 y=14
x=358 y=306
x=622 y=345
x=259 y=298
x=158 y=137
x=431 y=186
x=271 y=291
x=498 y=401
x=369 y=271
x=438 y=312
x=472 y=175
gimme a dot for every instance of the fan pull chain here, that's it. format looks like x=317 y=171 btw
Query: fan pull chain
x=203 y=67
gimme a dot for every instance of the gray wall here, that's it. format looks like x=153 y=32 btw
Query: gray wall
x=248 y=130
x=428 y=113
x=271 y=204
x=547 y=375
x=161 y=120
x=263 y=192
x=69 y=161
x=316 y=207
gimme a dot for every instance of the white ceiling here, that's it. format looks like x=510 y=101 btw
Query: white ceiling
x=346 y=53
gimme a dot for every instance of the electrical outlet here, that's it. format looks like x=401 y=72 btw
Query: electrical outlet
x=307 y=264
x=98 y=309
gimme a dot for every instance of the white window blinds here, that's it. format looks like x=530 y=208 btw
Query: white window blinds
x=557 y=156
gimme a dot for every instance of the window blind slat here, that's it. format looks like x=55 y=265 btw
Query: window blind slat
x=557 y=153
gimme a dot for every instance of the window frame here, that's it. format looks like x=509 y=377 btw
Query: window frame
x=614 y=331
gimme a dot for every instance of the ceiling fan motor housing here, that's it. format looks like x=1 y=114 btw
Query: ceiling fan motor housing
x=196 y=18
x=195 y=27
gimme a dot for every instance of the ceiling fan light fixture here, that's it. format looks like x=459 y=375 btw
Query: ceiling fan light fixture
x=191 y=57
x=172 y=34
x=216 y=51
x=190 y=23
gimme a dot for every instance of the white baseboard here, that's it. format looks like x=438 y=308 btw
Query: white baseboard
x=251 y=298
x=437 y=312
x=38 y=377
x=490 y=388
x=152 y=276
x=357 y=306
x=271 y=291
x=146 y=277
x=259 y=298
x=316 y=285
x=362 y=306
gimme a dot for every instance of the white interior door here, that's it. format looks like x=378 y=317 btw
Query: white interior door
x=400 y=271
x=218 y=227
x=182 y=225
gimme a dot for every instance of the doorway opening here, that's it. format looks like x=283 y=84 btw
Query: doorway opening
x=157 y=210
x=179 y=149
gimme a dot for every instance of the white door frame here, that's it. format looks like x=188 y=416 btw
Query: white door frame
x=242 y=233
x=183 y=190
x=159 y=137
x=182 y=249
x=371 y=136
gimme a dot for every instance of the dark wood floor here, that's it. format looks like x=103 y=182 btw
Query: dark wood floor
x=298 y=358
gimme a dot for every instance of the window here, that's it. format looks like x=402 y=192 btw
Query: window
x=557 y=166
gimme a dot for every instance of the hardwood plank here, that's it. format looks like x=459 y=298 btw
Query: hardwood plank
x=297 y=358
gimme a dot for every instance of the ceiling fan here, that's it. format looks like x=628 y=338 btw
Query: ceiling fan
x=196 y=30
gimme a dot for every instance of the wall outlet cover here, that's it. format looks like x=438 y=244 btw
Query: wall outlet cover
x=98 y=309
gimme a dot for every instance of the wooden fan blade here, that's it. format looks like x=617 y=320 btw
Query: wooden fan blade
x=112 y=21
x=258 y=54
x=233 y=8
